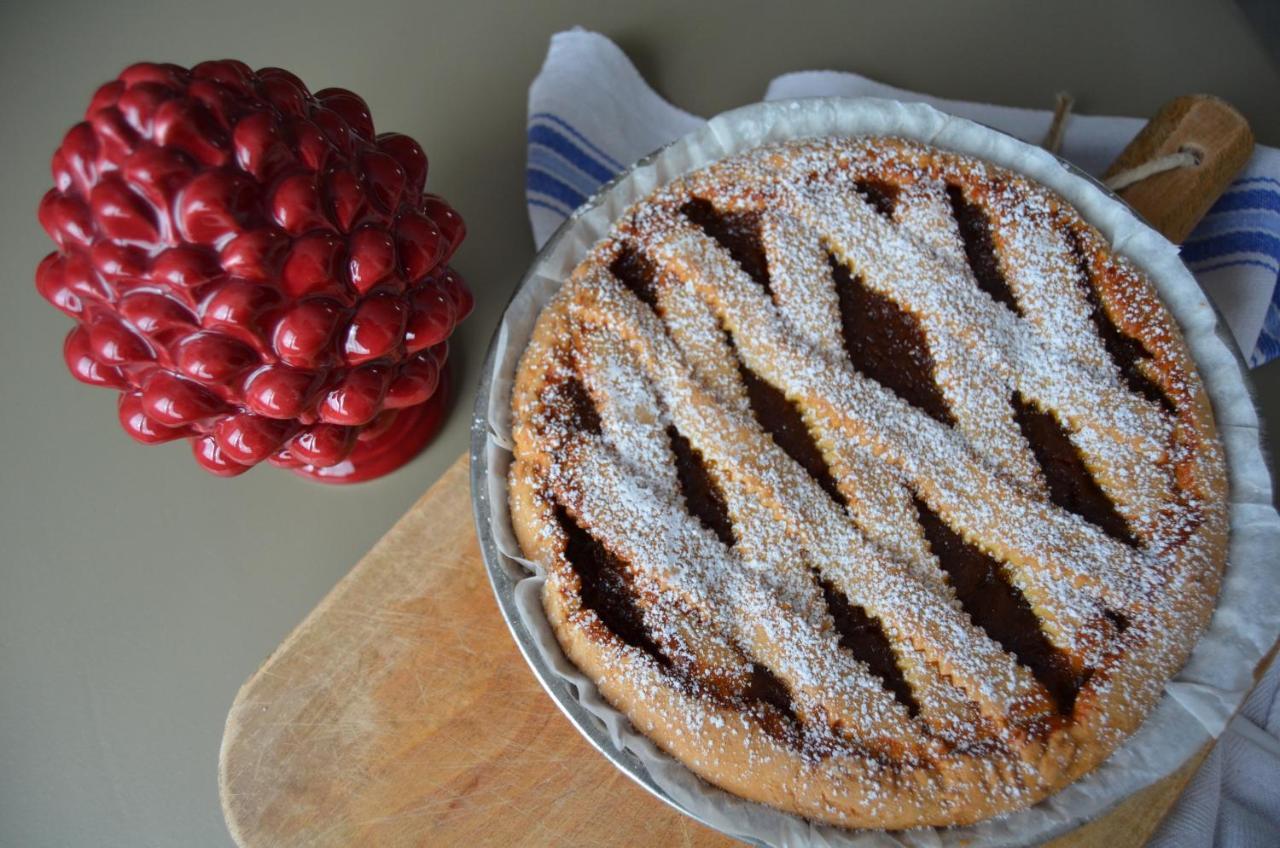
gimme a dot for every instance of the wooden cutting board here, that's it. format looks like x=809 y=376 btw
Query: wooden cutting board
x=400 y=713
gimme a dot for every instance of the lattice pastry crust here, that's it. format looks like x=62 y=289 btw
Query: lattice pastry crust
x=869 y=482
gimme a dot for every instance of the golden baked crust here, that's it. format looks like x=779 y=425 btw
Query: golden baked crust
x=822 y=435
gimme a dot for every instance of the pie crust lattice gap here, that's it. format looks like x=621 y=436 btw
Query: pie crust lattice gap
x=869 y=482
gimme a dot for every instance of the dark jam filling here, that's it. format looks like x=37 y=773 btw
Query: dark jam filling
x=763 y=686
x=1118 y=620
x=862 y=636
x=769 y=699
x=887 y=344
x=1071 y=485
x=607 y=588
x=979 y=249
x=1126 y=352
x=578 y=406
x=702 y=496
x=780 y=418
x=999 y=608
x=737 y=232
x=882 y=196
x=638 y=274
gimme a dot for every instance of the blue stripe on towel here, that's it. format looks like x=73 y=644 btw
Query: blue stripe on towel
x=1243 y=180
x=1268 y=346
x=1249 y=241
x=545 y=160
x=1261 y=220
x=1240 y=231
x=556 y=119
x=1236 y=263
x=1236 y=200
x=551 y=139
x=538 y=181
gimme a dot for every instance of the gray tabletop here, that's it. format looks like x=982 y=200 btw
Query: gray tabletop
x=138 y=592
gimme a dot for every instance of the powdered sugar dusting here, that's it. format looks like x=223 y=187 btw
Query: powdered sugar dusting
x=719 y=612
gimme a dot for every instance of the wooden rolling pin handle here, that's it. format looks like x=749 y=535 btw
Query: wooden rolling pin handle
x=1211 y=129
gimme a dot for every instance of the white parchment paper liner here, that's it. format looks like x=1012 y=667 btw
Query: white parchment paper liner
x=1197 y=703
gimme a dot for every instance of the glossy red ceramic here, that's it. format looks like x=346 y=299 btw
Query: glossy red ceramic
x=254 y=270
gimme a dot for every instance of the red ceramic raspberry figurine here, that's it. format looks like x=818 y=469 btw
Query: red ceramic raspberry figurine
x=254 y=270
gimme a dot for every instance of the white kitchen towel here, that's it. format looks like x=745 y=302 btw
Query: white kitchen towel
x=591 y=115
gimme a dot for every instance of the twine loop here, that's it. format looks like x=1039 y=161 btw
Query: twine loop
x=1187 y=156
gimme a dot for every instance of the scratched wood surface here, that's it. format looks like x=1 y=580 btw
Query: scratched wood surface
x=400 y=713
